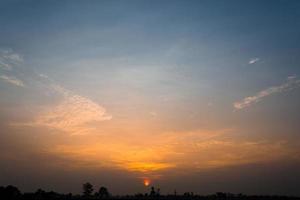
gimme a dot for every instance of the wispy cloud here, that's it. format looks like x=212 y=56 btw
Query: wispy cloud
x=292 y=82
x=253 y=60
x=152 y=154
x=9 y=58
x=12 y=80
x=153 y=113
x=74 y=114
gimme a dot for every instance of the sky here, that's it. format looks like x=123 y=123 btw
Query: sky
x=199 y=96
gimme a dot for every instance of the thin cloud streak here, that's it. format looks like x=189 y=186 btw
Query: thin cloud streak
x=12 y=80
x=253 y=60
x=292 y=82
x=8 y=59
x=171 y=151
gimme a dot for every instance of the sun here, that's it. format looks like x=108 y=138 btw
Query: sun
x=146 y=182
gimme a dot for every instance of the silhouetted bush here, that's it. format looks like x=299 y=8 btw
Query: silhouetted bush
x=10 y=192
x=87 y=189
x=102 y=193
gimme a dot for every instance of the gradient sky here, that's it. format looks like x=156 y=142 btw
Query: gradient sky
x=199 y=96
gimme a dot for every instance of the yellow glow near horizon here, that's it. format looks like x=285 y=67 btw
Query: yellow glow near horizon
x=147 y=166
x=164 y=152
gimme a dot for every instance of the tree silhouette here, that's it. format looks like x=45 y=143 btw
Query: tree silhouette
x=152 y=193
x=158 y=192
x=9 y=192
x=13 y=193
x=87 y=189
x=103 y=192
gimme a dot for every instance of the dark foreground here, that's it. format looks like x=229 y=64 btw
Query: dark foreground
x=13 y=193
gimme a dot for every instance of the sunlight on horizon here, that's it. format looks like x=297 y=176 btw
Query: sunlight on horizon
x=147 y=182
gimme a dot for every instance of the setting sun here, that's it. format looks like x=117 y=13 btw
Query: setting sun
x=146 y=182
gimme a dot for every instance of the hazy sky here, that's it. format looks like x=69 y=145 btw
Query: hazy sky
x=199 y=96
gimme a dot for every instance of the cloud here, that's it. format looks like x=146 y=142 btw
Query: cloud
x=74 y=114
x=292 y=82
x=153 y=113
x=151 y=155
x=148 y=154
x=8 y=59
x=218 y=152
x=12 y=80
x=253 y=60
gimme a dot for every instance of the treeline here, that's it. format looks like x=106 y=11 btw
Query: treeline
x=88 y=193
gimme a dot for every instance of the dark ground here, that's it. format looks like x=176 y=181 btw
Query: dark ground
x=13 y=193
